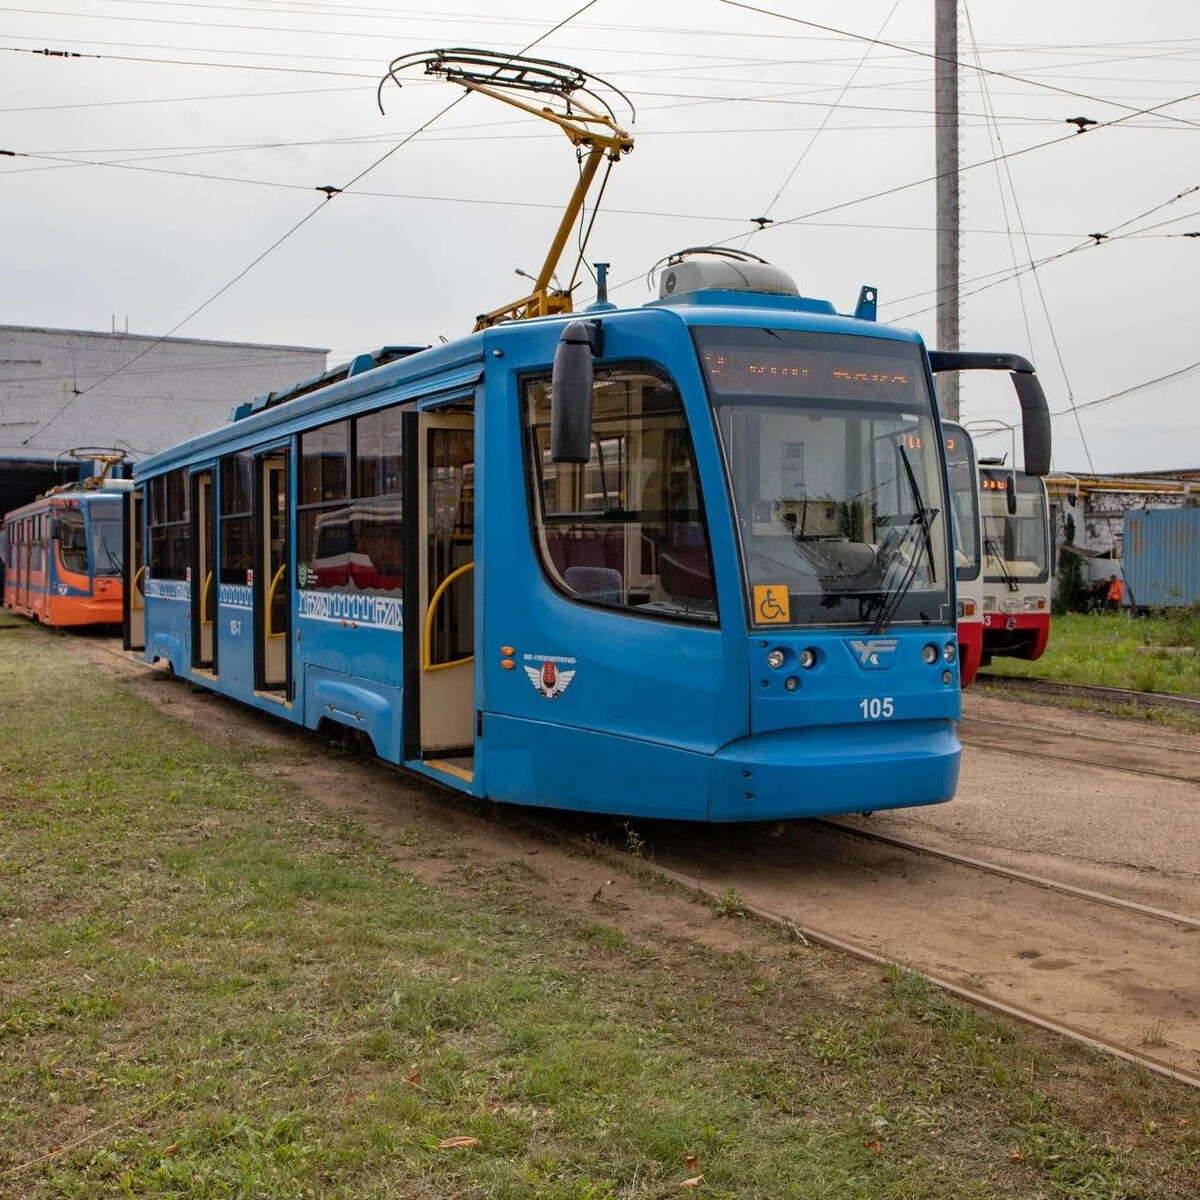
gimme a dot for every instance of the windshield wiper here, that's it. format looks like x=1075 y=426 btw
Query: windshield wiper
x=922 y=518
x=993 y=552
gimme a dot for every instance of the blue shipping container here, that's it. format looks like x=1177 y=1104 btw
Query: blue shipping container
x=1162 y=557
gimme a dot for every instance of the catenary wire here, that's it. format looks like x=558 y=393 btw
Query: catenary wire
x=77 y=393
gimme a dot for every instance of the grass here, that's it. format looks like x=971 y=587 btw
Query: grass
x=1109 y=650
x=212 y=986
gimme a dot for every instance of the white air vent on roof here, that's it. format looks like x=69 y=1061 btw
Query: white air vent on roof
x=727 y=274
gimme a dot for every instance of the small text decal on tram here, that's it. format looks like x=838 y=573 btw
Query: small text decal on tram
x=876 y=708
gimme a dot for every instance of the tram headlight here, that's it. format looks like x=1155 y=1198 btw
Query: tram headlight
x=947 y=676
x=808 y=658
x=930 y=654
x=775 y=659
x=950 y=652
x=792 y=682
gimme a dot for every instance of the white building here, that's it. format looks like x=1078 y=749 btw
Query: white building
x=62 y=389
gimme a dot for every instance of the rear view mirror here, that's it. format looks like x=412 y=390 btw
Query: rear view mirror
x=1010 y=494
x=1035 y=422
x=1035 y=414
x=571 y=394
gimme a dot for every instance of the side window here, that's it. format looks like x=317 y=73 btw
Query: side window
x=170 y=535
x=627 y=528
x=40 y=525
x=236 y=518
x=376 y=513
x=350 y=511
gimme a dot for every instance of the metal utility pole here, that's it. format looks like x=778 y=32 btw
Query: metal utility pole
x=945 y=99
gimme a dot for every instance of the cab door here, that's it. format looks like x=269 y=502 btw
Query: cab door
x=440 y=636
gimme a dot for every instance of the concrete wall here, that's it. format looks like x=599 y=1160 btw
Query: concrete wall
x=159 y=395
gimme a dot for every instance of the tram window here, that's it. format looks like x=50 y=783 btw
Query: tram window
x=627 y=528
x=170 y=544
x=72 y=541
x=321 y=516
x=236 y=518
x=376 y=513
x=38 y=558
x=349 y=518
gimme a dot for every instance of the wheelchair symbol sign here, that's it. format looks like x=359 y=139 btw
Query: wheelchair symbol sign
x=771 y=604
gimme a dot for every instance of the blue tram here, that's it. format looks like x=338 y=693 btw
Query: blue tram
x=690 y=559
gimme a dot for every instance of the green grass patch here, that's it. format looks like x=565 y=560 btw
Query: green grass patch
x=212 y=987
x=1109 y=650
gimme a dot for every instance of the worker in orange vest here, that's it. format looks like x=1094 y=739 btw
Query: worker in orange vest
x=1116 y=593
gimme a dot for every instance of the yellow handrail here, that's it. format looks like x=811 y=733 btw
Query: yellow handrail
x=205 y=597
x=271 y=599
x=427 y=663
x=133 y=598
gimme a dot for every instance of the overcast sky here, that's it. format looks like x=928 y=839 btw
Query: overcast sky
x=161 y=170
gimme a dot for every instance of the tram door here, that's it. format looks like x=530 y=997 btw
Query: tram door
x=134 y=598
x=446 y=583
x=272 y=586
x=204 y=589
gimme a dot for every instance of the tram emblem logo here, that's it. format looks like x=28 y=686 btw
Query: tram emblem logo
x=869 y=652
x=548 y=678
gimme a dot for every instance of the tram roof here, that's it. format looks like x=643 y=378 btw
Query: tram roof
x=69 y=494
x=410 y=372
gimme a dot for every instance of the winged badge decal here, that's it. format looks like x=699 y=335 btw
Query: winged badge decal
x=549 y=680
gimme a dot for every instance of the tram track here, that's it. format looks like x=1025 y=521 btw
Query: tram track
x=694 y=878
x=985 y=1000
x=1048 y=744
x=1108 y=695
x=1004 y=872
x=1017 y=960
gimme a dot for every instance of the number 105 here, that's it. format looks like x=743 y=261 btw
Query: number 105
x=876 y=708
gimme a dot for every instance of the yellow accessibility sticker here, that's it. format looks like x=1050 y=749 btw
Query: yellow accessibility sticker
x=771 y=604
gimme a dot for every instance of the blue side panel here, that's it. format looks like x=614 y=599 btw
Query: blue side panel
x=358 y=703
x=235 y=639
x=835 y=769
x=169 y=623
x=1162 y=557
x=348 y=649
x=531 y=762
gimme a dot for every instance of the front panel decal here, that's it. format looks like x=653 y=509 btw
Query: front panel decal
x=547 y=675
x=873 y=654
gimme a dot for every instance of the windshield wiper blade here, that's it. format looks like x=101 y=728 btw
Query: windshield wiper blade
x=993 y=552
x=922 y=518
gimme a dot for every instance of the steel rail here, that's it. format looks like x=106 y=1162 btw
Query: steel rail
x=1050 y=731
x=981 y=999
x=1096 y=691
x=1026 y=752
x=981 y=864
x=830 y=941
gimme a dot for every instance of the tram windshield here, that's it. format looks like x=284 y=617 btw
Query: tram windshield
x=960 y=466
x=1016 y=546
x=832 y=446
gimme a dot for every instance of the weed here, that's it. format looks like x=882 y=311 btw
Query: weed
x=731 y=903
x=635 y=844
x=1156 y=1035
